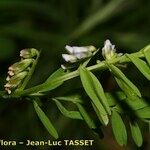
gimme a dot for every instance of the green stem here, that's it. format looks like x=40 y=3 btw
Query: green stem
x=99 y=66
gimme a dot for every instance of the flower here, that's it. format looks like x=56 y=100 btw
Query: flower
x=29 y=53
x=19 y=70
x=76 y=53
x=19 y=66
x=69 y=58
x=14 y=81
x=109 y=51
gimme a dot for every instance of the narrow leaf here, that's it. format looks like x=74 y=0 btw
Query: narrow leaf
x=94 y=90
x=44 y=119
x=143 y=113
x=51 y=83
x=136 y=103
x=56 y=74
x=119 y=129
x=69 y=114
x=126 y=89
x=136 y=133
x=141 y=65
x=75 y=98
x=103 y=118
x=147 y=54
x=119 y=74
x=86 y=116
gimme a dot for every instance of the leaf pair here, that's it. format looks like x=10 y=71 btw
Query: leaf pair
x=65 y=112
x=125 y=84
x=96 y=93
x=120 y=133
x=81 y=114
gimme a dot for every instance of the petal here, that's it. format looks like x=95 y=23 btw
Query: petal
x=80 y=49
x=69 y=49
x=69 y=58
x=81 y=55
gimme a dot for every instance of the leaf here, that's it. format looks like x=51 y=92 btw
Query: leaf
x=141 y=65
x=44 y=119
x=75 y=98
x=143 y=113
x=103 y=118
x=112 y=97
x=119 y=129
x=147 y=54
x=126 y=89
x=56 y=74
x=69 y=114
x=94 y=90
x=136 y=103
x=136 y=133
x=86 y=116
x=118 y=73
x=50 y=83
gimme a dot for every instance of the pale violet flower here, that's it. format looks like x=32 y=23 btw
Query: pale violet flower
x=79 y=52
x=76 y=53
x=109 y=51
x=76 y=49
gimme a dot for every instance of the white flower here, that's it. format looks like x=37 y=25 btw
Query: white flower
x=77 y=53
x=108 y=51
x=8 y=90
x=80 y=52
x=76 y=49
x=69 y=58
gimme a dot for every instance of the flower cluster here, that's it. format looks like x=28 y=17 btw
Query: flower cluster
x=18 y=71
x=76 y=53
x=109 y=51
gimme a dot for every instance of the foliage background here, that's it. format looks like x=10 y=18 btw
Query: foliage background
x=49 y=25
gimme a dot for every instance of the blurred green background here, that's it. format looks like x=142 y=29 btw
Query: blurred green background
x=48 y=25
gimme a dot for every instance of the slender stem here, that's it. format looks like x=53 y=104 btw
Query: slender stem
x=99 y=66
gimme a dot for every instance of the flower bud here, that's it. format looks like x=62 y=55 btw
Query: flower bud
x=11 y=73
x=8 y=78
x=19 y=66
x=14 y=81
x=109 y=51
x=29 y=53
